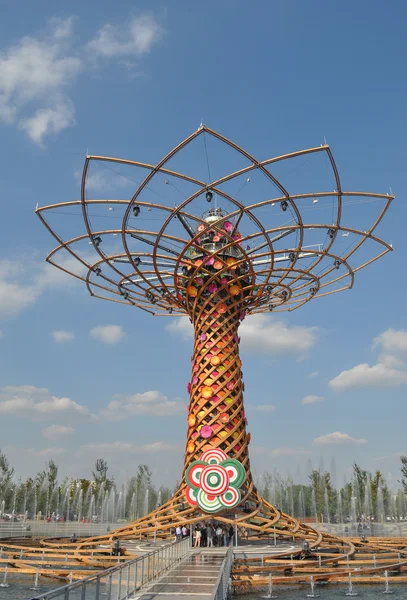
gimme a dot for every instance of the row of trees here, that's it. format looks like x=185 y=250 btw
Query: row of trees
x=366 y=496
x=98 y=496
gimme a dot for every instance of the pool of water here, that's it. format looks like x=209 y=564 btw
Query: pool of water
x=365 y=592
x=20 y=590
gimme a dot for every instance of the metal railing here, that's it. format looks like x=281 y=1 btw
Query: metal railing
x=223 y=585
x=122 y=581
x=22 y=529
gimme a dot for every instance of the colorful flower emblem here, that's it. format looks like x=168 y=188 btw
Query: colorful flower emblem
x=214 y=481
x=206 y=431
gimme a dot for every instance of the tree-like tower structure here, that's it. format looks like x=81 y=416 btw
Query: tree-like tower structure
x=218 y=251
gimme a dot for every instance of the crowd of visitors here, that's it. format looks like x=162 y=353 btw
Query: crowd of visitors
x=207 y=535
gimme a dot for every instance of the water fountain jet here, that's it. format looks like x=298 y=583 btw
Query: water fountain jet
x=36 y=586
x=387 y=589
x=270 y=589
x=351 y=591
x=5 y=584
x=312 y=584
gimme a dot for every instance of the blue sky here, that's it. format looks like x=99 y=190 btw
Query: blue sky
x=132 y=80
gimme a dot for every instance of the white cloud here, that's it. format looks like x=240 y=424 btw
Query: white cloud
x=261 y=334
x=15 y=296
x=379 y=375
x=312 y=399
x=60 y=336
x=148 y=403
x=392 y=341
x=134 y=38
x=32 y=67
x=55 y=432
x=313 y=374
x=288 y=451
x=100 y=179
x=265 y=407
x=389 y=371
x=48 y=451
x=27 y=453
x=37 y=70
x=338 y=438
x=24 y=280
x=108 y=334
x=258 y=450
x=264 y=335
x=49 y=120
x=61 y=28
x=389 y=457
x=30 y=402
x=127 y=448
x=281 y=451
x=181 y=327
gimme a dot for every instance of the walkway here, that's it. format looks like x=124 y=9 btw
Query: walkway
x=194 y=578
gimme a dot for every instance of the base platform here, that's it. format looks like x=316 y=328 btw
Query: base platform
x=325 y=558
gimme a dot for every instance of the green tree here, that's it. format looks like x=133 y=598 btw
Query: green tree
x=346 y=495
x=100 y=475
x=6 y=479
x=40 y=478
x=318 y=487
x=165 y=494
x=20 y=496
x=267 y=479
x=361 y=479
x=52 y=474
x=403 y=470
x=321 y=482
x=377 y=480
x=137 y=488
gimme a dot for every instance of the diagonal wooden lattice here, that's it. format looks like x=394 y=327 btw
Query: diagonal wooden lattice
x=216 y=416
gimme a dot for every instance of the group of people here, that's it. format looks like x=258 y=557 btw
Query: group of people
x=207 y=534
x=182 y=532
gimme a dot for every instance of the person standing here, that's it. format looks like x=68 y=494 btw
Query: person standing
x=197 y=537
x=225 y=537
x=184 y=531
x=209 y=535
x=203 y=535
x=178 y=533
x=116 y=550
x=219 y=532
x=231 y=534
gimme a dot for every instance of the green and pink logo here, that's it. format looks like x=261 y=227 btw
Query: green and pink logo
x=214 y=481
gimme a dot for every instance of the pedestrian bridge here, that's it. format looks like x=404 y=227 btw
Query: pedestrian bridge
x=197 y=577
x=171 y=571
